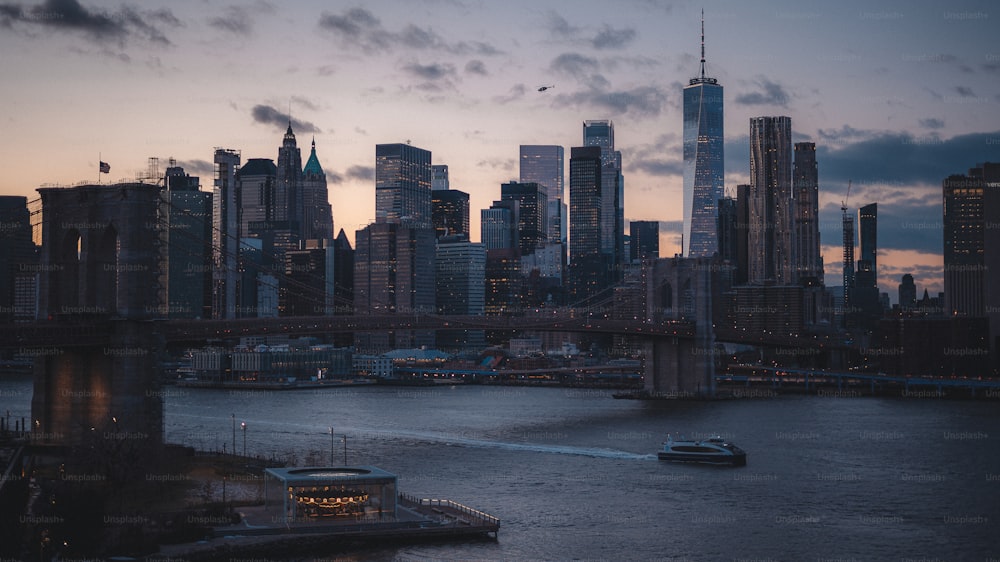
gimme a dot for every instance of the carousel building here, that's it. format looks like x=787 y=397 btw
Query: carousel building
x=324 y=494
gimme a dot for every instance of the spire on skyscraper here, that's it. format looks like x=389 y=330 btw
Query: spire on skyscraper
x=703 y=79
x=703 y=43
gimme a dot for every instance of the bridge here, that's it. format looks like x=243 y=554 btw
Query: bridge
x=34 y=337
x=99 y=296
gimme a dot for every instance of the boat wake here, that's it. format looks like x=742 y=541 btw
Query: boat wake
x=451 y=439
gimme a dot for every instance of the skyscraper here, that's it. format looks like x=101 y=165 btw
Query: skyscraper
x=460 y=272
x=543 y=164
x=531 y=199
x=703 y=160
x=403 y=184
x=805 y=182
x=601 y=133
x=742 y=273
x=258 y=180
x=189 y=244
x=644 y=238
x=865 y=308
x=847 y=228
x=317 y=216
x=439 y=177
x=964 y=240
x=907 y=292
x=866 y=274
x=589 y=265
x=770 y=229
x=498 y=226
x=288 y=189
x=450 y=212
x=18 y=257
x=726 y=233
x=394 y=273
x=226 y=234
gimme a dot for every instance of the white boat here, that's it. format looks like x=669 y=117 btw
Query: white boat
x=714 y=450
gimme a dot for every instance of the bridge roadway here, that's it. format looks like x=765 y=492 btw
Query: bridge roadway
x=35 y=337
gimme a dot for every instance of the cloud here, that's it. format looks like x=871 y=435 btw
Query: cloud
x=644 y=100
x=270 y=116
x=357 y=28
x=435 y=71
x=903 y=159
x=965 y=91
x=365 y=173
x=846 y=132
x=98 y=25
x=476 y=67
x=658 y=167
x=606 y=37
x=610 y=38
x=197 y=167
x=557 y=25
x=932 y=123
x=771 y=93
x=515 y=93
x=574 y=64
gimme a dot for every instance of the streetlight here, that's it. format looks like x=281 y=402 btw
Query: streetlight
x=244 y=426
x=331 y=446
x=234 y=432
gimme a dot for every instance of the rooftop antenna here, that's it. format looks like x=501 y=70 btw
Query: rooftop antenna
x=703 y=43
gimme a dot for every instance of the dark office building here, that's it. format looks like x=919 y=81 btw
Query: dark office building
x=531 y=216
x=450 y=212
x=589 y=267
x=188 y=239
x=644 y=240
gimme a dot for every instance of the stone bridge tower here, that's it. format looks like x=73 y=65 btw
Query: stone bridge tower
x=99 y=266
x=681 y=289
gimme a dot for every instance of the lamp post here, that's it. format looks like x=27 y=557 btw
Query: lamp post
x=234 y=432
x=345 y=449
x=331 y=446
x=244 y=426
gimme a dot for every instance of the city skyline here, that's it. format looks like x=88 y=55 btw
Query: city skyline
x=894 y=96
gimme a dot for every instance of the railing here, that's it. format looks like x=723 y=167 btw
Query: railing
x=453 y=505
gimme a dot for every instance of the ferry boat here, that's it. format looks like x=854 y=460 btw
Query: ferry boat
x=714 y=450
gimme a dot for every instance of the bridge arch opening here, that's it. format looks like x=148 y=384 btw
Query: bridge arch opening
x=106 y=271
x=65 y=289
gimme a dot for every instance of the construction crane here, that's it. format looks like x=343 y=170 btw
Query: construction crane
x=843 y=202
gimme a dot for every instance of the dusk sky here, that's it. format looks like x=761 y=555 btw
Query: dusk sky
x=896 y=95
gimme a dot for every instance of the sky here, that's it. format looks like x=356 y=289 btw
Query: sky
x=897 y=95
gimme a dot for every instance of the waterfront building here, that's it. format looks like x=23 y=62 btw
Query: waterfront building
x=18 y=260
x=188 y=242
x=460 y=271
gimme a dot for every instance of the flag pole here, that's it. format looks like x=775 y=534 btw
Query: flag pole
x=99 y=168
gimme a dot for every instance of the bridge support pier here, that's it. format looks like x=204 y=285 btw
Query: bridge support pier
x=87 y=395
x=679 y=367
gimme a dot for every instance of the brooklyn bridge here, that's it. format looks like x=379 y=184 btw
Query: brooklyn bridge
x=98 y=334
